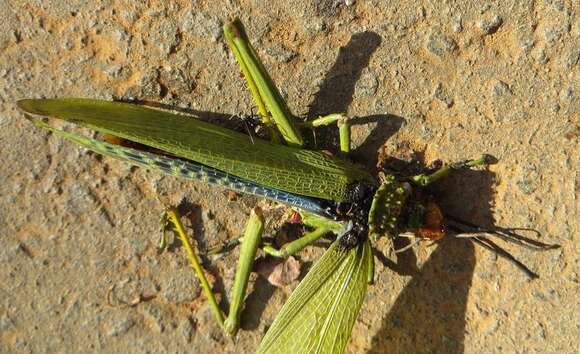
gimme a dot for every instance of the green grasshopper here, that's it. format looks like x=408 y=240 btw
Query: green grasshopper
x=334 y=195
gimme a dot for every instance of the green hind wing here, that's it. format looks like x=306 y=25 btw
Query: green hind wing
x=319 y=315
x=300 y=171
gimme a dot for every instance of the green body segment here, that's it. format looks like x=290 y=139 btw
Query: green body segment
x=295 y=170
x=319 y=315
x=387 y=205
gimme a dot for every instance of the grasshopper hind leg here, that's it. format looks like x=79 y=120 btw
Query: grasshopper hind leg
x=251 y=240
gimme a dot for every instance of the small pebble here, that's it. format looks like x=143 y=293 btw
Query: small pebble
x=456 y=24
x=180 y=287
x=202 y=24
x=156 y=318
x=5 y=323
x=440 y=44
x=367 y=85
x=490 y=26
x=186 y=329
x=500 y=88
x=280 y=53
x=120 y=327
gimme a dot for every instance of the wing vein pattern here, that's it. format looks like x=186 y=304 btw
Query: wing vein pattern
x=294 y=170
x=319 y=315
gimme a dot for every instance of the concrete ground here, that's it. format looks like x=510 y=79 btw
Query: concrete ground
x=445 y=80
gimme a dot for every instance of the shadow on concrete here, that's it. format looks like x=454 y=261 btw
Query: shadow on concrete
x=429 y=314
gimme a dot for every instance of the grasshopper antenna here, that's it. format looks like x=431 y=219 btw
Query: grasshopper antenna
x=249 y=122
x=492 y=246
x=482 y=236
x=510 y=235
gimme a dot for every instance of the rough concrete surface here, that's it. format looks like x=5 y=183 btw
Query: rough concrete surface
x=443 y=79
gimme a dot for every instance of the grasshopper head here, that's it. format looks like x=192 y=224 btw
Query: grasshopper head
x=397 y=207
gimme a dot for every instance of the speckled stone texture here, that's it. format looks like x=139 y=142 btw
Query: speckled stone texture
x=436 y=80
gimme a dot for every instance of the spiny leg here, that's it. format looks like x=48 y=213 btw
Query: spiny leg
x=344 y=135
x=295 y=246
x=263 y=112
x=267 y=97
x=262 y=87
x=410 y=245
x=252 y=239
x=371 y=270
x=171 y=218
x=343 y=128
x=287 y=250
x=426 y=179
x=321 y=226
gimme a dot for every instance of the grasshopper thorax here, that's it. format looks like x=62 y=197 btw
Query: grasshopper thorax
x=356 y=210
x=386 y=207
